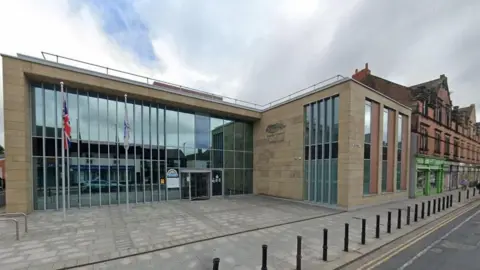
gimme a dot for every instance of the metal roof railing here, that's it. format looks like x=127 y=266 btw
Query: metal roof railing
x=150 y=81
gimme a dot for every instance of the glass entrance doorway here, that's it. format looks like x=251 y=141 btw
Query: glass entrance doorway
x=195 y=185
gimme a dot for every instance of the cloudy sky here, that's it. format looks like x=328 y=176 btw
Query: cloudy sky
x=256 y=50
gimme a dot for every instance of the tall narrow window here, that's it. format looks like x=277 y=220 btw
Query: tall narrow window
x=447 y=145
x=399 y=151
x=437 y=142
x=366 y=150
x=385 y=150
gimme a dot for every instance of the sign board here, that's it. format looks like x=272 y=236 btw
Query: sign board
x=173 y=180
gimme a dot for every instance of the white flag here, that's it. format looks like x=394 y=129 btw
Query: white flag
x=126 y=127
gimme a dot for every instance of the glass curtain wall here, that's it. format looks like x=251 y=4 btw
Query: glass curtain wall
x=385 y=150
x=321 y=151
x=367 y=147
x=399 y=151
x=99 y=170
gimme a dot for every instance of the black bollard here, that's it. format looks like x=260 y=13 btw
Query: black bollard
x=443 y=203
x=468 y=193
x=423 y=210
x=377 y=227
x=439 y=205
x=473 y=195
x=389 y=222
x=264 y=257
x=364 y=230
x=428 y=208
x=415 y=214
x=399 y=219
x=408 y=215
x=459 y=196
x=216 y=263
x=299 y=252
x=451 y=200
x=345 y=239
x=325 y=244
x=434 y=209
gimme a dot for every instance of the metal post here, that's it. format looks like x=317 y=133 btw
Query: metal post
x=428 y=208
x=264 y=257
x=377 y=227
x=325 y=245
x=459 y=196
x=345 y=239
x=399 y=219
x=415 y=214
x=451 y=200
x=216 y=263
x=468 y=193
x=408 y=215
x=423 y=210
x=439 y=205
x=364 y=230
x=443 y=203
x=389 y=222
x=434 y=209
x=299 y=252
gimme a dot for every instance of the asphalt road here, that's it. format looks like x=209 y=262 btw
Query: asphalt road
x=454 y=246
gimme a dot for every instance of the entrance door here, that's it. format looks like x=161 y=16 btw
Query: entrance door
x=217 y=182
x=199 y=186
x=185 y=183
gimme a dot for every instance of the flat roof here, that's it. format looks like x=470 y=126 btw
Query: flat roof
x=151 y=83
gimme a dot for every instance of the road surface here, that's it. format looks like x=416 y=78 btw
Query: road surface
x=456 y=245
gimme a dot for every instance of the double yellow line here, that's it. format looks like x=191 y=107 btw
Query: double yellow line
x=388 y=255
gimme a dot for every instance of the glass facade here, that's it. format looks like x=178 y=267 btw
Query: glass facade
x=367 y=147
x=161 y=138
x=321 y=151
x=385 y=150
x=399 y=151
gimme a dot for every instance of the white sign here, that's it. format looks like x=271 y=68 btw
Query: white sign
x=172 y=179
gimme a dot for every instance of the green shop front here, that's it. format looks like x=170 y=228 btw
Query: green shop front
x=430 y=175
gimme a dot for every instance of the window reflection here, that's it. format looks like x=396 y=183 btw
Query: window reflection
x=97 y=164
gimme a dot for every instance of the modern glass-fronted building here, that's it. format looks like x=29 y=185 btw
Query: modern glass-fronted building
x=173 y=153
x=338 y=143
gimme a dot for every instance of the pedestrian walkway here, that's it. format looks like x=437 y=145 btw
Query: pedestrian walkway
x=100 y=233
x=236 y=249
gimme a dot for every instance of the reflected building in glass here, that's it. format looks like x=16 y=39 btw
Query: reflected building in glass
x=330 y=145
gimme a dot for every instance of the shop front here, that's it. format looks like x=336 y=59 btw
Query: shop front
x=430 y=176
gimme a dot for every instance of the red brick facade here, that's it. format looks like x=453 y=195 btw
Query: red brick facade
x=444 y=131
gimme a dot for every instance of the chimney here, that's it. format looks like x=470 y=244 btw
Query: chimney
x=362 y=74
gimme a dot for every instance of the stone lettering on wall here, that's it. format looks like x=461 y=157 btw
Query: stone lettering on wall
x=275 y=132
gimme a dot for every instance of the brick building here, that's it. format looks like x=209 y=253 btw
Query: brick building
x=445 y=138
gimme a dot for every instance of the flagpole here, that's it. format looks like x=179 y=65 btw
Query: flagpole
x=63 y=156
x=125 y=145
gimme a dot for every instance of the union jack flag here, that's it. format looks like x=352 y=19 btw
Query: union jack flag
x=66 y=124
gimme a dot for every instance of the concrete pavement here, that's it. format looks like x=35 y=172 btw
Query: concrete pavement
x=232 y=230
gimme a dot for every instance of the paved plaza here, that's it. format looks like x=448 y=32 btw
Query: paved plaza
x=188 y=235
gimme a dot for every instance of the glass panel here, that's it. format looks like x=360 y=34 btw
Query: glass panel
x=173 y=183
x=333 y=187
x=335 y=120
x=248 y=136
x=186 y=130
x=58 y=111
x=305 y=179
x=216 y=130
x=50 y=110
x=321 y=128
x=217 y=182
x=307 y=125
x=239 y=160
x=38 y=112
x=239 y=181
x=161 y=126
x=313 y=131
x=319 y=178
x=367 y=120
x=229 y=159
x=326 y=180
x=248 y=160
x=228 y=135
x=202 y=131
x=328 y=119
x=202 y=158
x=173 y=157
x=187 y=157
x=217 y=158
x=311 y=182
x=229 y=182
x=37 y=167
x=147 y=164
x=162 y=177
x=103 y=122
x=248 y=188
x=171 y=127
x=366 y=176
x=239 y=136
x=155 y=179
